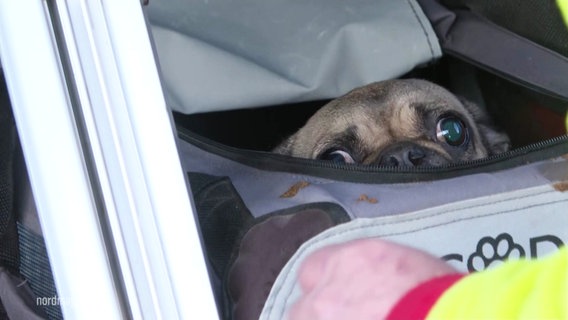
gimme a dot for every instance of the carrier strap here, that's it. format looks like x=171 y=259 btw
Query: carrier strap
x=471 y=37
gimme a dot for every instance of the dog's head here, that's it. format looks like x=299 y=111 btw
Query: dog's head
x=397 y=123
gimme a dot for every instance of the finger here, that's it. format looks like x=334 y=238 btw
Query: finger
x=315 y=267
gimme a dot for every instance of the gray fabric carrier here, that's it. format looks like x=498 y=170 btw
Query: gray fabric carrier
x=220 y=55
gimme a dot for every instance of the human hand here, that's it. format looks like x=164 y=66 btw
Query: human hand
x=362 y=279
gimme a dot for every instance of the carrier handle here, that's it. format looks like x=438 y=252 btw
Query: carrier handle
x=472 y=38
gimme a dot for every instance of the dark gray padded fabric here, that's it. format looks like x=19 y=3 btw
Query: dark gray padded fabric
x=473 y=38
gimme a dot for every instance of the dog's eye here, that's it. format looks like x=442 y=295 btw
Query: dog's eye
x=452 y=131
x=338 y=156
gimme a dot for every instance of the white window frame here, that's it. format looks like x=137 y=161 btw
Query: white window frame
x=100 y=148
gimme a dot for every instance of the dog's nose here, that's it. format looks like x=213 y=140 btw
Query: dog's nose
x=407 y=157
x=410 y=154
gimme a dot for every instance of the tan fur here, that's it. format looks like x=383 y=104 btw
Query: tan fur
x=386 y=113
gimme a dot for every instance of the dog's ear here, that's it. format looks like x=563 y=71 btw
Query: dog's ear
x=285 y=147
x=494 y=140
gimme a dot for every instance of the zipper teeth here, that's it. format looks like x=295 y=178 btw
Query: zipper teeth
x=452 y=166
x=491 y=159
x=236 y=153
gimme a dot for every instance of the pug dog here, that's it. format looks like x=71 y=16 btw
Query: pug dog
x=400 y=123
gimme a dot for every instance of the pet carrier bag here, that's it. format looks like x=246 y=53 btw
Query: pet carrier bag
x=242 y=75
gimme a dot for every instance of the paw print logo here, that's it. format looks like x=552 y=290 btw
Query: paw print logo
x=494 y=251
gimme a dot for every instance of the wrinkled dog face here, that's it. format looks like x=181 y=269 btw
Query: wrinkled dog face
x=397 y=123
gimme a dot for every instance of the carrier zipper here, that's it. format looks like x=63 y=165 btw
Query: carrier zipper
x=539 y=151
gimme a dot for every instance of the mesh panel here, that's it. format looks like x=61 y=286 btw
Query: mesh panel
x=3 y=314
x=8 y=231
x=35 y=267
x=222 y=216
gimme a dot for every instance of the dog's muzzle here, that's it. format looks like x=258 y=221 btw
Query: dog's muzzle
x=409 y=154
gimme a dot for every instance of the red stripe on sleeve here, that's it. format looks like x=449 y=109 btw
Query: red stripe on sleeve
x=417 y=302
